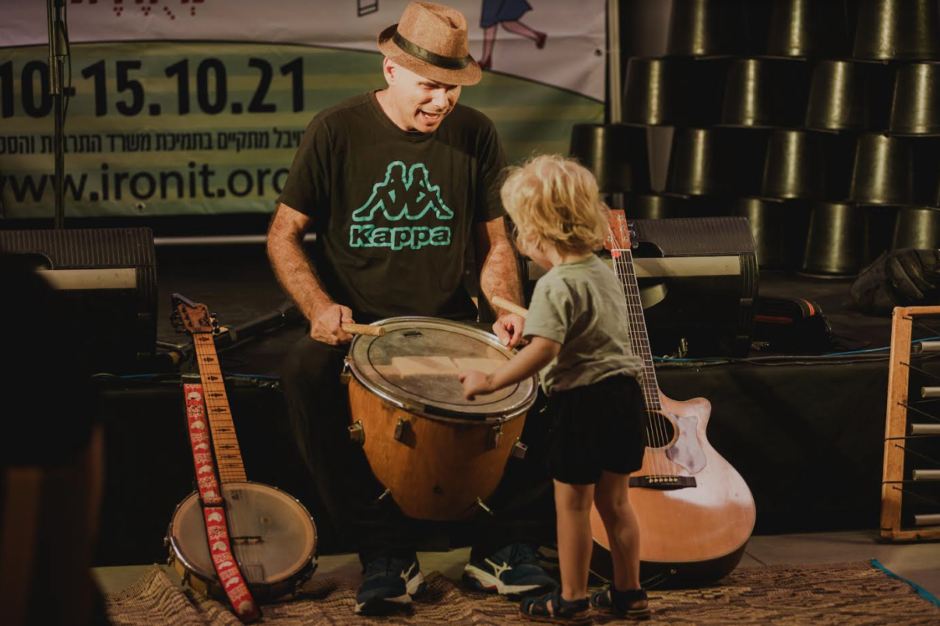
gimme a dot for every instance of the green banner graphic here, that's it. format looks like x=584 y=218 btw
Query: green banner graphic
x=160 y=129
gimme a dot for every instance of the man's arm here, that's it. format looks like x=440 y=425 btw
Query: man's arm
x=298 y=276
x=499 y=276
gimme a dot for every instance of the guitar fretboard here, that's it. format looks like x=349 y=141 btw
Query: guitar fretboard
x=623 y=266
x=228 y=456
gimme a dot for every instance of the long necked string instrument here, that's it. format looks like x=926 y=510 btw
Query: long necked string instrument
x=657 y=432
x=266 y=534
x=222 y=526
x=694 y=510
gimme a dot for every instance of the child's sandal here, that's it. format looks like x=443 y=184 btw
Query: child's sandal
x=551 y=607
x=624 y=604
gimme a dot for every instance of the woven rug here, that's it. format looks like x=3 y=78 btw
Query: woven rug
x=844 y=593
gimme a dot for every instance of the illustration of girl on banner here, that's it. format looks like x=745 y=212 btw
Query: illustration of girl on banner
x=507 y=14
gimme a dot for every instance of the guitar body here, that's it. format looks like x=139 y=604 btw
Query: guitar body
x=692 y=535
x=695 y=512
x=273 y=539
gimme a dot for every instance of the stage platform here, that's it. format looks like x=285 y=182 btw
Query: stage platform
x=805 y=432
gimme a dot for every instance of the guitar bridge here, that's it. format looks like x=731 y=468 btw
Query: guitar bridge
x=662 y=482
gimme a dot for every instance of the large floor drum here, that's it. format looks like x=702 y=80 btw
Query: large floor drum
x=438 y=454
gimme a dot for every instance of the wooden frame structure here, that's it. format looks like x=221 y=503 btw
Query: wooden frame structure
x=896 y=427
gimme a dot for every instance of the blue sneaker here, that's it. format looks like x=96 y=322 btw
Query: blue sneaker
x=513 y=570
x=389 y=585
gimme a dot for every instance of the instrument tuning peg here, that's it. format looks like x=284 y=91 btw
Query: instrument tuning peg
x=213 y=315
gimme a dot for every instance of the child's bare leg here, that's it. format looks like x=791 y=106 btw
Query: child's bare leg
x=611 y=498
x=573 y=506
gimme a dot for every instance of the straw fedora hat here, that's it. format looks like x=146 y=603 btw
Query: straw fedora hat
x=431 y=41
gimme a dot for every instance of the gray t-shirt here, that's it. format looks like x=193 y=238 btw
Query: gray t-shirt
x=581 y=306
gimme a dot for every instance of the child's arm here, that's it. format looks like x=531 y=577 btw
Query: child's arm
x=527 y=362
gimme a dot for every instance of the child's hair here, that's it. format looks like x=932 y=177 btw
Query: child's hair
x=555 y=200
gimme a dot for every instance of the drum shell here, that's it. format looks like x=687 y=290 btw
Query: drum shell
x=205 y=581
x=440 y=466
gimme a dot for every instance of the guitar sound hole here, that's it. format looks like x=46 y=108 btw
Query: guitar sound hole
x=660 y=431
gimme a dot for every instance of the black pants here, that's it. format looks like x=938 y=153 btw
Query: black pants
x=318 y=408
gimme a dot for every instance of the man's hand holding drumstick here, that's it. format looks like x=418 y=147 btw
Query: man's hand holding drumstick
x=333 y=324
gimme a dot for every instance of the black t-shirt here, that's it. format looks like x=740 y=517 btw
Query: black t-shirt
x=394 y=210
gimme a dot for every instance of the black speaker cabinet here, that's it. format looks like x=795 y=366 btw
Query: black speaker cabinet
x=698 y=281
x=105 y=283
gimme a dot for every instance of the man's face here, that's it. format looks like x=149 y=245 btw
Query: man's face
x=417 y=103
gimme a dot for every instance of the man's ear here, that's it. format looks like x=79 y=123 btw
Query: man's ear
x=389 y=69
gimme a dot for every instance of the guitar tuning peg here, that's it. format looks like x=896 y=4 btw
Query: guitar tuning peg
x=213 y=315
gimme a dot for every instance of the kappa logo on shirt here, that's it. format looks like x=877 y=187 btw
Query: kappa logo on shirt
x=405 y=195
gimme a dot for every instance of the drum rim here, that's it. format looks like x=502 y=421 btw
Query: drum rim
x=497 y=417
x=197 y=571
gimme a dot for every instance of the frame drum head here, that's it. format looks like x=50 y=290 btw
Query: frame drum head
x=416 y=363
x=272 y=535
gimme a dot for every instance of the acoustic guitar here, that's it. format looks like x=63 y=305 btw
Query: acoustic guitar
x=273 y=537
x=695 y=511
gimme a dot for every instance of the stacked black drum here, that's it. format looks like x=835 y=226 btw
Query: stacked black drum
x=819 y=121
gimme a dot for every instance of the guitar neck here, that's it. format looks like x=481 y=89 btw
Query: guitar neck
x=228 y=455
x=623 y=266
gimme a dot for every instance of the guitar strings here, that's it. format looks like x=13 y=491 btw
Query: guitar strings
x=227 y=452
x=656 y=428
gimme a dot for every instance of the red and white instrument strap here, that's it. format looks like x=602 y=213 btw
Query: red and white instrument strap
x=213 y=508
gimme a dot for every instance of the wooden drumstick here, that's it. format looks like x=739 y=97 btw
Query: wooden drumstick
x=364 y=329
x=503 y=303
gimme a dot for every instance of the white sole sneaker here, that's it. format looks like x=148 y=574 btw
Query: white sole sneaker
x=416 y=585
x=378 y=606
x=484 y=581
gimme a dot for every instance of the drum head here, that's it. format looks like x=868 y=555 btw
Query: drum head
x=415 y=366
x=272 y=534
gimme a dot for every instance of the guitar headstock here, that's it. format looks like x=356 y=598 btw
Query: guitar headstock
x=618 y=233
x=192 y=317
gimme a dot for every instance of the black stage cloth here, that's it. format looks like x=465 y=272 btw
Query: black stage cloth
x=807 y=437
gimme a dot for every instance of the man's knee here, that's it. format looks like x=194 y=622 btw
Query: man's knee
x=311 y=363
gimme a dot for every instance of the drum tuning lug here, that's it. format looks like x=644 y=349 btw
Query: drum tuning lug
x=519 y=449
x=492 y=441
x=400 y=428
x=483 y=506
x=345 y=374
x=357 y=433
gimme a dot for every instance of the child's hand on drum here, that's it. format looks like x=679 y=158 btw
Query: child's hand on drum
x=475 y=383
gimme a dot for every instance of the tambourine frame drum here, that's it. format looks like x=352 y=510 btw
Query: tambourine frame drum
x=284 y=540
x=439 y=456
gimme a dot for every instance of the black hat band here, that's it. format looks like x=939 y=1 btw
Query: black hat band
x=437 y=60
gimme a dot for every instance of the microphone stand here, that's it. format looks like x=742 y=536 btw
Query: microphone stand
x=615 y=103
x=58 y=50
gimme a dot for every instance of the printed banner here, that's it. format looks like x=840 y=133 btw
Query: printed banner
x=197 y=106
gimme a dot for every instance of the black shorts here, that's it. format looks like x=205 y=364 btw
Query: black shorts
x=598 y=427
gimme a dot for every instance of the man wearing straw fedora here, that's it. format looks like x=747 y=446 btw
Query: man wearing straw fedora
x=396 y=184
